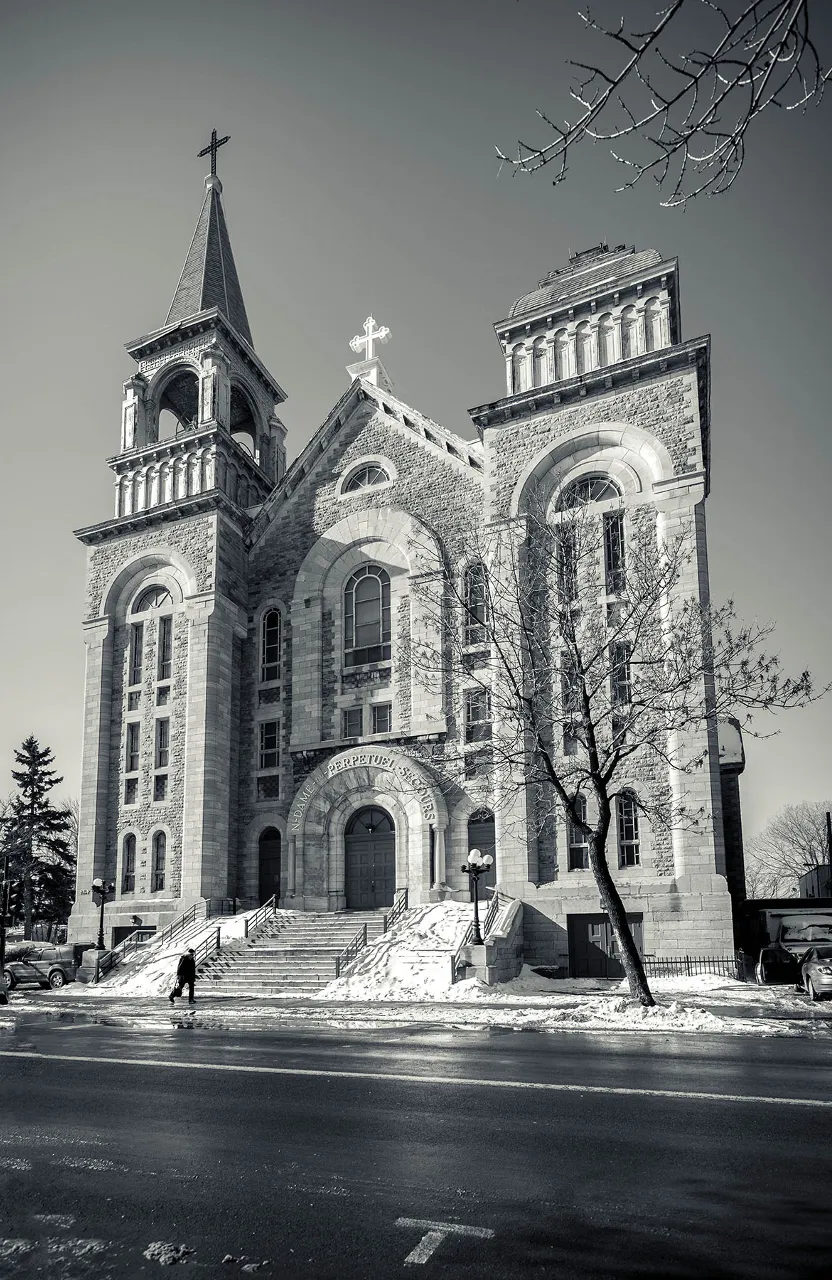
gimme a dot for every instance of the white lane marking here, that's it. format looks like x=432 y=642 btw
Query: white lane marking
x=402 y=1077
x=14 y=1165
x=435 y=1233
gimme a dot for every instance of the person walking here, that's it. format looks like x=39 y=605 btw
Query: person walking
x=185 y=976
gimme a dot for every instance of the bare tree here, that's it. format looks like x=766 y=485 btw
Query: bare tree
x=582 y=705
x=681 y=113
x=792 y=843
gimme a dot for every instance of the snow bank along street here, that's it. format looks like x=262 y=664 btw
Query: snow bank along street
x=405 y=977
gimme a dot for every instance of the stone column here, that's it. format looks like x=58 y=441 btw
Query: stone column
x=439 y=857
x=95 y=775
x=135 y=428
x=206 y=834
x=214 y=388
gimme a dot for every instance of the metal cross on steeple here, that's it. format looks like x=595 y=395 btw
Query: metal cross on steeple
x=371 y=335
x=212 y=150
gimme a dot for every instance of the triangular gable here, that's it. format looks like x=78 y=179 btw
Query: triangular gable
x=462 y=455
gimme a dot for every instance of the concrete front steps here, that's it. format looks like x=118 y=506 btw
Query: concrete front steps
x=291 y=953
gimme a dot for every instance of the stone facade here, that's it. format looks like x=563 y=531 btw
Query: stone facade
x=284 y=749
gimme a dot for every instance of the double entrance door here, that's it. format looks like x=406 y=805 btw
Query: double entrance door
x=370 y=851
x=593 y=950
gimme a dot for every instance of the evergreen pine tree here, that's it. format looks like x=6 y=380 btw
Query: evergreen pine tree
x=36 y=838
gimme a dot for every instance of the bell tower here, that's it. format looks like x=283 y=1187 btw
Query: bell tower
x=201 y=448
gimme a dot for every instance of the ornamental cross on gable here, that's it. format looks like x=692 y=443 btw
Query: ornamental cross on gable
x=212 y=149
x=371 y=335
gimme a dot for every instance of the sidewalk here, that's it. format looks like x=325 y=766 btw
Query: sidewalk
x=704 y=1005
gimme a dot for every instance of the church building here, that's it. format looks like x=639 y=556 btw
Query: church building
x=253 y=725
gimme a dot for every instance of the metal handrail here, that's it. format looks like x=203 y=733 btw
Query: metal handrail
x=396 y=911
x=259 y=917
x=209 y=946
x=350 y=952
x=199 y=910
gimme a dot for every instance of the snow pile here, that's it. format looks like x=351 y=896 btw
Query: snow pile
x=410 y=962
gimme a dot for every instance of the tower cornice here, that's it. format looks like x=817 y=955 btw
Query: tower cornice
x=150 y=344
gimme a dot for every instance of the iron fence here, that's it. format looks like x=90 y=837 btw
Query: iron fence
x=735 y=966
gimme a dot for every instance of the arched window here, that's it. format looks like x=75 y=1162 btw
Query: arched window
x=653 y=324
x=160 y=850
x=561 y=355
x=367 y=616
x=541 y=363
x=588 y=489
x=629 y=333
x=475 y=603
x=154 y=597
x=583 y=347
x=365 y=477
x=519 y=375
x=606 y=340
x=128 y=865
x=578 y=841
x=270 y=640
x=629 y=850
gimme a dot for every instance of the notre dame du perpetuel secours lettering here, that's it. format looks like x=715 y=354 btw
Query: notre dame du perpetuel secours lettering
x=411 y=781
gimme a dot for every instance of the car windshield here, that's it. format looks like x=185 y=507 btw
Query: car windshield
x=823 y=953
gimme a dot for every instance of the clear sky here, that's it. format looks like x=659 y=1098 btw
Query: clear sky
x=361 y=176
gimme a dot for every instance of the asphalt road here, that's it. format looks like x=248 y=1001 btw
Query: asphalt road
x=385 y=1154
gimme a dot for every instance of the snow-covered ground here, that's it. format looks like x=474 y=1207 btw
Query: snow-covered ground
x=405 y=978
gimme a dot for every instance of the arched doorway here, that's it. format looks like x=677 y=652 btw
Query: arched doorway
x=268 y=848
x=481 y=836
x=370 y=855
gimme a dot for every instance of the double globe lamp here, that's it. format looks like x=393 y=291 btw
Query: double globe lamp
x=476 y=866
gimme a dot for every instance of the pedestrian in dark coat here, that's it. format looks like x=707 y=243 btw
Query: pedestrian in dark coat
x=185 y=976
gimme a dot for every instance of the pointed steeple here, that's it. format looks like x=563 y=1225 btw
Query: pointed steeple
x=209 y=276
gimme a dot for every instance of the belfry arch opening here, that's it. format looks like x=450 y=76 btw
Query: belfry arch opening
x=370 y=860
x=243 y=425
x=269 y=850
x=179 y=405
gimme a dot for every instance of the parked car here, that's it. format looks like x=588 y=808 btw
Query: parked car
x=42 y=965
x=781 y=959
x=816 y=973
x=776 y=964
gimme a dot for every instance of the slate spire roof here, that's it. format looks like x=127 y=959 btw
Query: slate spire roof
x=209 y=276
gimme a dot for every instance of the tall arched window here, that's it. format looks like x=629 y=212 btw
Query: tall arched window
x=367 y=616
x=160 y=850
x=629 y=333
x=653 y=324
x=583 y=347
x=629 y=842
x=614 y=558
x=476 y=603
x=128 y=865
x=541 y=363
x=270 y=638
x=519 y=377
x=606 y=340
x=561 y=354
x=578 y=842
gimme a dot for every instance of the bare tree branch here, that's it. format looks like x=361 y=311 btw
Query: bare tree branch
x=686 y=114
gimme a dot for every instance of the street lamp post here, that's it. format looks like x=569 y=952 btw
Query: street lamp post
x=103 y=890
x=476 y=866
